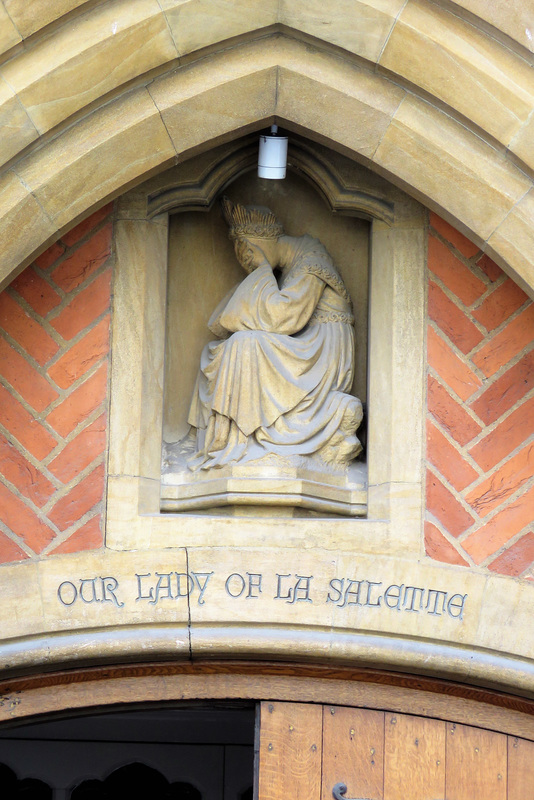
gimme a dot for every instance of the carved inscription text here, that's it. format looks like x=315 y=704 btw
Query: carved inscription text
x=199 y=587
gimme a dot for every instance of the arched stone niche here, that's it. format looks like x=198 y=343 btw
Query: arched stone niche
x=146 y=335
x=202 y=268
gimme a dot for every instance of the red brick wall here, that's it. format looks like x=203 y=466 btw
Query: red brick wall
x=480 y=421
x=54 y=342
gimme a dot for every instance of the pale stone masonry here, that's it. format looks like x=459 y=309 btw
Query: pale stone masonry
x=394 y=109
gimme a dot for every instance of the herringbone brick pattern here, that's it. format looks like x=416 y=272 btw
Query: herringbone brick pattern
x=54 y=343
x=480 y=421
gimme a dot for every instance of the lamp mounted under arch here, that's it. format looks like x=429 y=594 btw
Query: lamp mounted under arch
x=176 y=190
x=272 y=156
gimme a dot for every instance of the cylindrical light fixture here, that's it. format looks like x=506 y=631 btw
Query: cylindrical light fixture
x=272 y=158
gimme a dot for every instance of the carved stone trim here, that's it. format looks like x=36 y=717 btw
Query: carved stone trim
x=298 y=490
x=218 y=172
x=199 y=193
x=395 y=441
x=342 y=197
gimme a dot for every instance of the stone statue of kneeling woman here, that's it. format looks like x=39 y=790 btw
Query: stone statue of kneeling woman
x=276 y=381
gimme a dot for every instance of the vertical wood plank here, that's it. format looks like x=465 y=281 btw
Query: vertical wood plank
x=257 y=723
x=353 y=751
x=476 y=763
x=520 y=768
x=290 y=751
x=414 y=758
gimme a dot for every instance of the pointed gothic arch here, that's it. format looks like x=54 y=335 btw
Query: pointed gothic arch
x=80 y=151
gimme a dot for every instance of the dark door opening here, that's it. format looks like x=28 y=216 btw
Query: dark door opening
x=192 y=752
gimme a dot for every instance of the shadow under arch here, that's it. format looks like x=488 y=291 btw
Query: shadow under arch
x=340 y=196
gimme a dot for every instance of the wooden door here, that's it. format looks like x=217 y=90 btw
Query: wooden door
x=305 y=750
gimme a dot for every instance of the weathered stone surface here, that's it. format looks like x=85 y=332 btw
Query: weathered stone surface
x=320 y=603
x=427 y=149
x=360 y=27
x=468 y=70
x=97 y=52
x=97 y=157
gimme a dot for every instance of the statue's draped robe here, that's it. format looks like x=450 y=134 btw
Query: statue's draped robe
x=279 y=384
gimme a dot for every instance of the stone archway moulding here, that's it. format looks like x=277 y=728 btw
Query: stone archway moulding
x=105 y=138
x=106 y=45
x=391 y=494
x=198 y=195
x=157 y=110
x=332 y=591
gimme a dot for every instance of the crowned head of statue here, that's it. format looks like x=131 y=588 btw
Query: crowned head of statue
x=255 y=231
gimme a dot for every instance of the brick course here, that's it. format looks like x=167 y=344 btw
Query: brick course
x=54 y=349
x=480 y=410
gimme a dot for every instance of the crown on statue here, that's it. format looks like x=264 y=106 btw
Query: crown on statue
x=256 y=222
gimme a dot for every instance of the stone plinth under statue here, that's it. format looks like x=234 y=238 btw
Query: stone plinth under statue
x=272 y=420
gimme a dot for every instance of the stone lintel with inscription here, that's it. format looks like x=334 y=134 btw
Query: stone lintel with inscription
x=254 y=587
x=254 y=602
x=158 y=588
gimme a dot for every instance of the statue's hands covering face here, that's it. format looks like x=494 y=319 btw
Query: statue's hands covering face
x=249 y=255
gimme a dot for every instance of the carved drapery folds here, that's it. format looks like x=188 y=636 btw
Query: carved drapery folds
x=274 y=409
x=175 y=265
